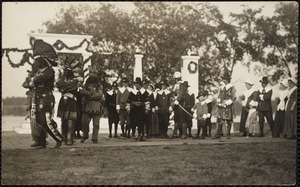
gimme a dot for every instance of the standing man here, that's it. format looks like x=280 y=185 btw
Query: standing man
x=189 y=105
x=246 y=99
x=265 y=106
x=163 y=108
x=67 y=107
x=138 y=107
x=181 y=101
x=92 y=97
x=225 y=107
x=43 y=82
x=121 y=101
x=178 y=81
x=110 y=104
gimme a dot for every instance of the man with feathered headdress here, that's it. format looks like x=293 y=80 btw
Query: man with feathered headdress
x=67 y=107
x=43 y=82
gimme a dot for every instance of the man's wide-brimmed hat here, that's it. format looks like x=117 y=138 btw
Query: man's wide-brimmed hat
x=92 y=79
x=44 y=50
x=138 y=80
x=185 y=83
x=264 y=80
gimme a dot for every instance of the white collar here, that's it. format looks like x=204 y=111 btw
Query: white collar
x=164 y=91
x=149 y=91
x=267 y=89
x=135 y=91
x=110 y=92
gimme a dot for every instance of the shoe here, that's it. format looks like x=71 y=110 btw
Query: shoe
x=196 y=137
x=82 y=140
x=40 y=147
x=190 y=136
x=35 y=144
x=228 y=137
x=110 y=136
x=183 y=136
x=261 y=135
x=58 y=144
x=216 y=137
x=202 y=137
x=116 y=135
x=69 y=142
x=95 y=141
x=244 y=134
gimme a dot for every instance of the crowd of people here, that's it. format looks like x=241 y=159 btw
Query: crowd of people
x=146 y=107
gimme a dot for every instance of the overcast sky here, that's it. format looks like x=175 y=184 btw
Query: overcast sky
x=20 y=18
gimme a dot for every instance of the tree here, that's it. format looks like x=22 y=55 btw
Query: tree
x=271 y=41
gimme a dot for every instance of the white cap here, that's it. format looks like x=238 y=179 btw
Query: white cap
x=249 y=81
x=177 y=75
x=284 y=82
x=293 y=80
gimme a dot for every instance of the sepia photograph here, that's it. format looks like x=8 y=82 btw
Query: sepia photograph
x=149 y=93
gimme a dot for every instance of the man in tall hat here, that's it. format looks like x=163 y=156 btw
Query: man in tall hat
x=177 y=78
x=163 y=108
x=92 y=96
x=264 y=107
x=190 y=102
x=110 y=104
x=67 y=107
x=138 y=107
x=43 y=82
x=148 y=115
x=225 y=102
x=121 y=101
x=183 y=115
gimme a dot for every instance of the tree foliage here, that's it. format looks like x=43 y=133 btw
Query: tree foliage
x=164 y=31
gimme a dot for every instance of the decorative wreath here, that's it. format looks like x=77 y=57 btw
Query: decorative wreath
x=192 y=67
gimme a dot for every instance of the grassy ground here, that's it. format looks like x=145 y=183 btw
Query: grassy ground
x=251 y=163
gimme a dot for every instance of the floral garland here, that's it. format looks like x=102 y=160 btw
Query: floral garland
x=58 y=45
x=25 y=59
x=192 y=67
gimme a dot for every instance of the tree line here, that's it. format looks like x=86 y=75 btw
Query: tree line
x=164 y=31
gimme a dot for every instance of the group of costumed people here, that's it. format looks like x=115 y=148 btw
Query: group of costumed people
x=146 y=107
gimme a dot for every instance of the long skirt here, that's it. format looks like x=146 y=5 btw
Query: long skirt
x=279 y=121
x=252 y=123
x=155 y=125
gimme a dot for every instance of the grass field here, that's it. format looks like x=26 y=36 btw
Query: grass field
x=249 y=163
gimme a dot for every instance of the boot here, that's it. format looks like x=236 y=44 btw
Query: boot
x=184 y=131
x=198 y=132
x=70 y=132
x=209 y=131
x=228 y=130
x=219 y=130
x=204 y=129
x=190 y=132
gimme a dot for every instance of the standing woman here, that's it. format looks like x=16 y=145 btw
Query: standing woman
x=280 y=112
x=246 y=99
x=290 y=128
x=67 y=107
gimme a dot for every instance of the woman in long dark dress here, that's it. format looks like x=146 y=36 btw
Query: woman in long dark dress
x=290 y=126
x=280 y=112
